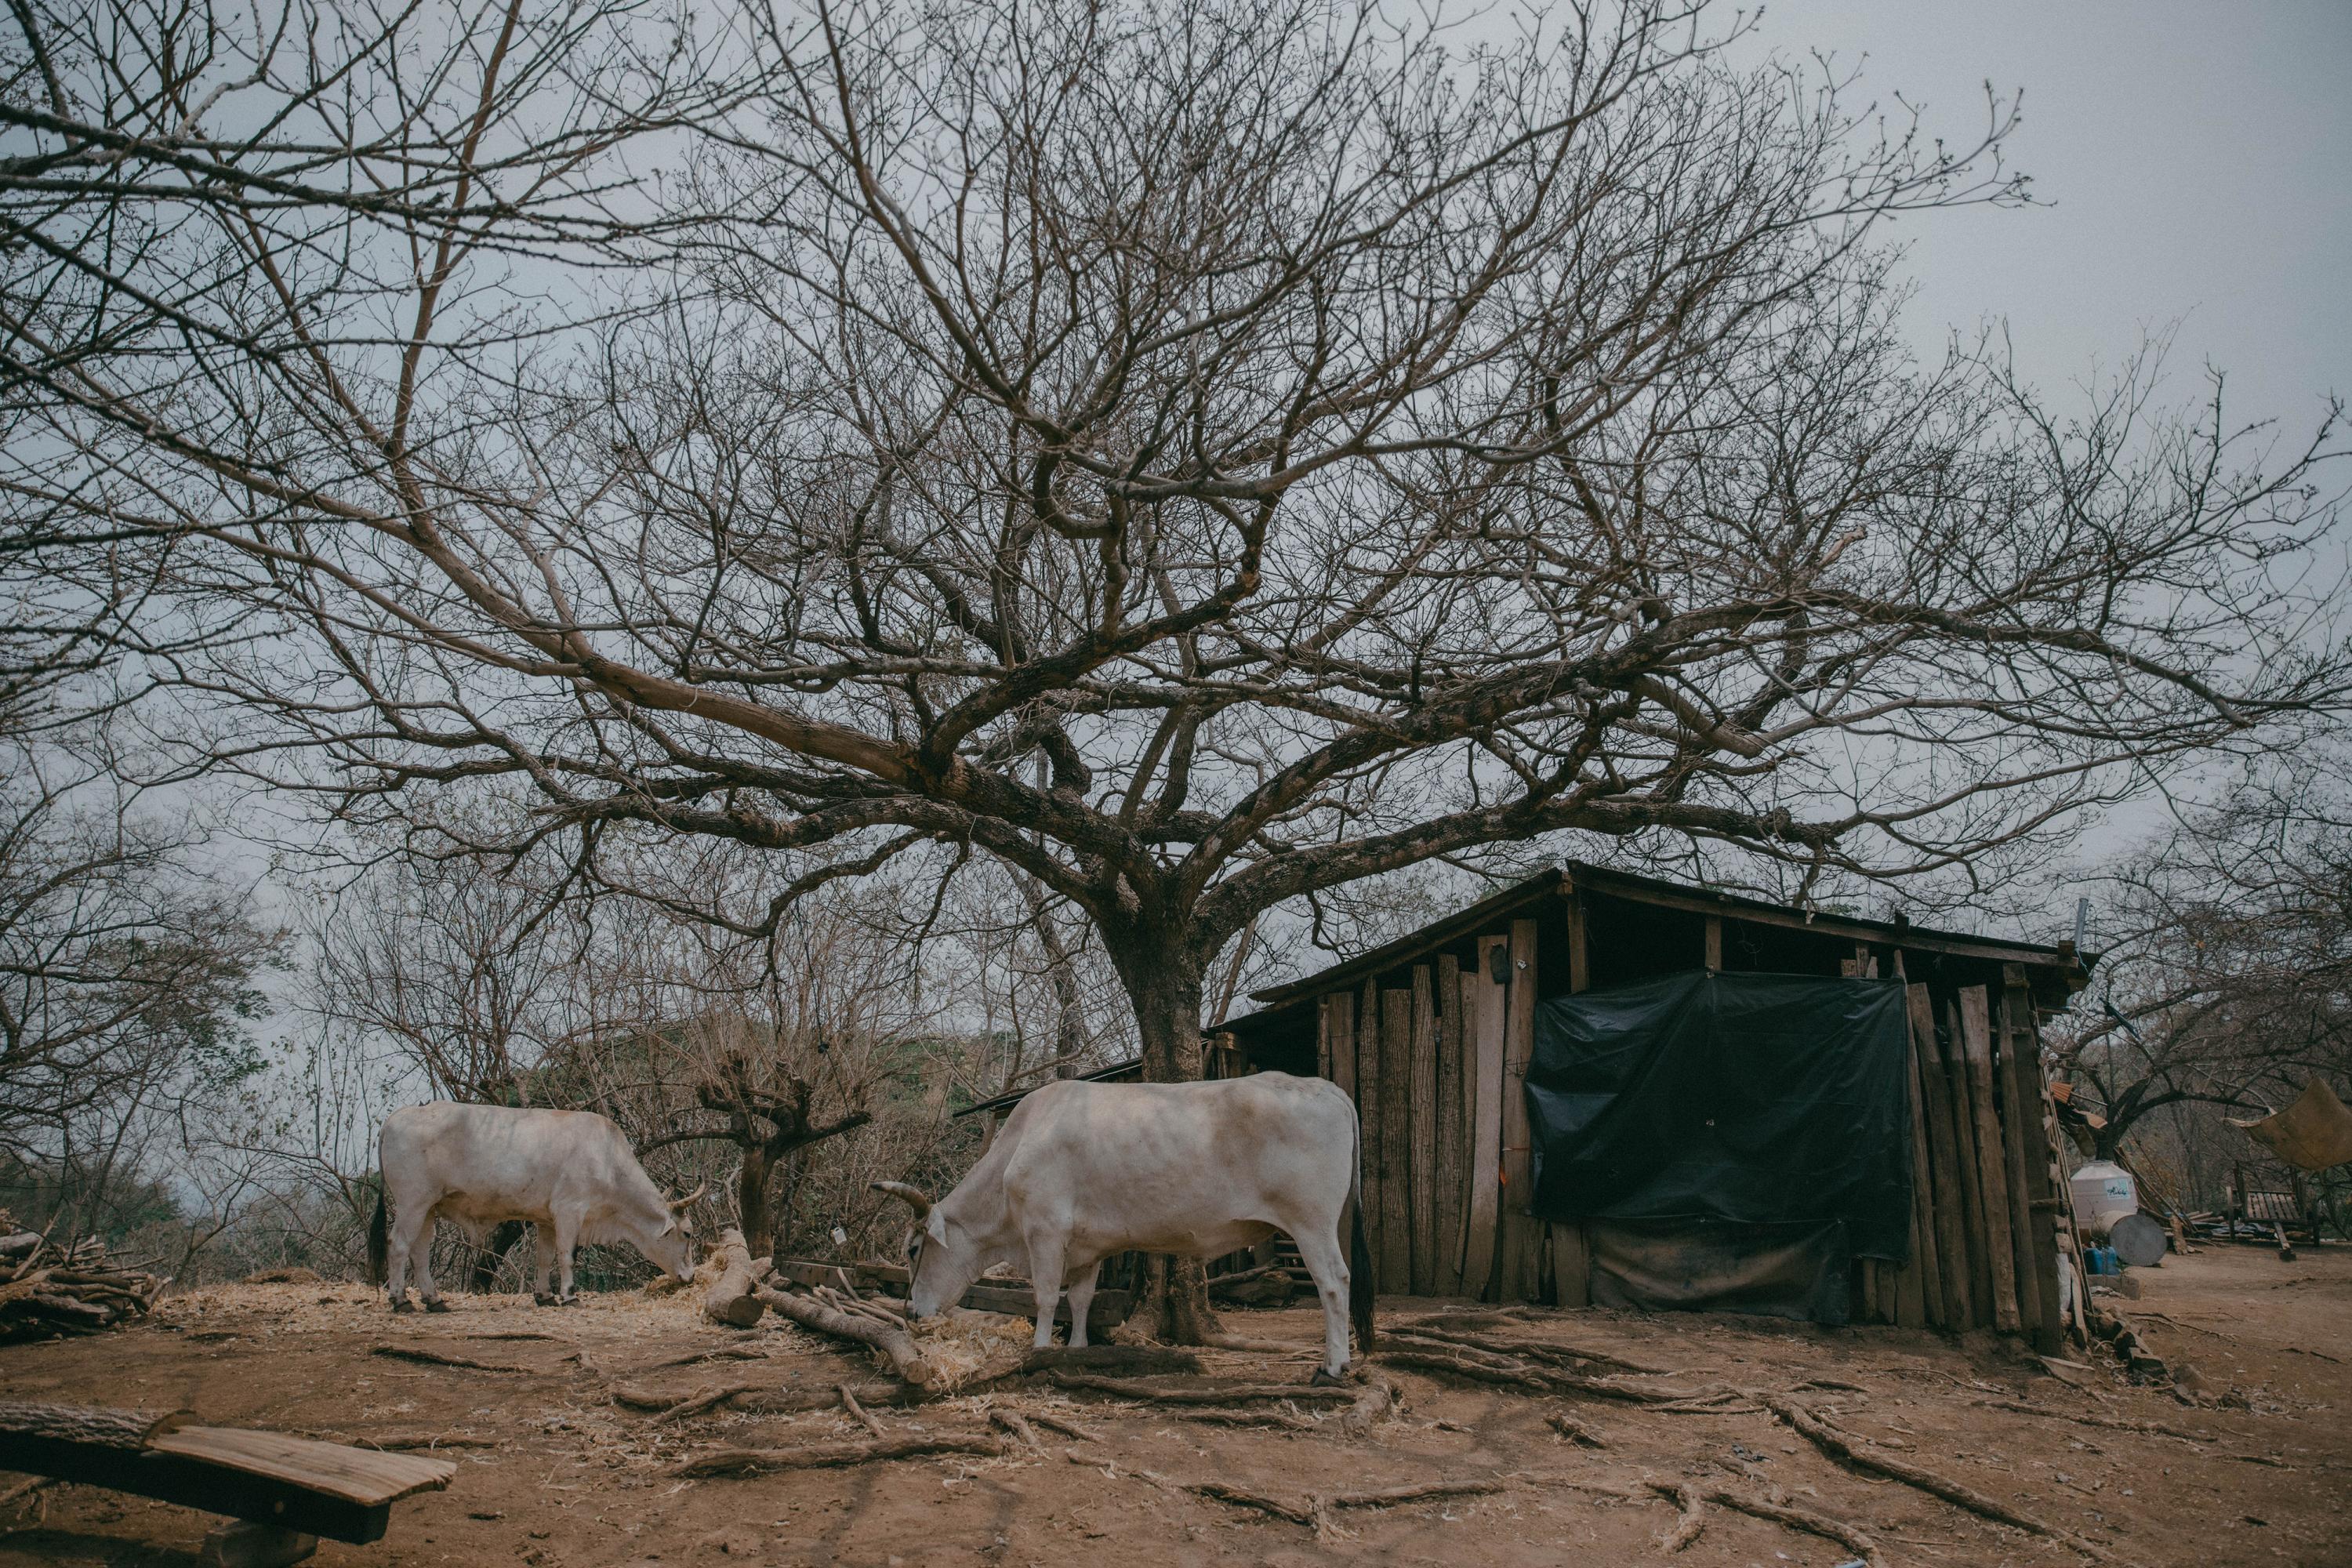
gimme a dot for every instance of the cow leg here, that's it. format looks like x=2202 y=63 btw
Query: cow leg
x=1045 y=1254
x=395 y=1263
x=1082 y=1297
x=1319 y=1248
x=543 y=1248
x=567 y=1236
x=421 y=1260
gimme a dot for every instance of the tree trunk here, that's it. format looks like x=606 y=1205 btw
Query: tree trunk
x=493 y=1253
x=751 y=1194
x=1166 y=993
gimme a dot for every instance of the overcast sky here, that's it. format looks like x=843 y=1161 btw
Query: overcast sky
x=2196 y=158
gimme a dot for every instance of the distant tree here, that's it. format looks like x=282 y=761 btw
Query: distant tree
x=1326 y=450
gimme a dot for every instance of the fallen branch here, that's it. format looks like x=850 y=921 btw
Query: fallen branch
x=436 y=1358
x=1806 y=1425
x=825 y=1456
x=1378 y=1398
x=1013 y=1422
x=895 y=1343
x=703 y=1399
x=863 y=1416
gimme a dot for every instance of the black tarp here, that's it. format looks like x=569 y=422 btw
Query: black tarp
x=1742 y=1099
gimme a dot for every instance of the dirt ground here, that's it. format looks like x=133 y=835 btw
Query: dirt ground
x=554 y=1475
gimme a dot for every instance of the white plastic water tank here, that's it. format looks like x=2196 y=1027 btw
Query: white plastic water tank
x=2103 y=1192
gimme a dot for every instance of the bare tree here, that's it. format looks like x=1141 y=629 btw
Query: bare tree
x=1328 y=451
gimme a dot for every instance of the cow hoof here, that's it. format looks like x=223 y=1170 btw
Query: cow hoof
x=404 y=1306
x=437 y=1305
x=1326 y=1378
x=544 y=1298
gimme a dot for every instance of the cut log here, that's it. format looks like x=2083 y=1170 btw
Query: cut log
x=896 y=1345
x=733 y=1298
x=92 y=1426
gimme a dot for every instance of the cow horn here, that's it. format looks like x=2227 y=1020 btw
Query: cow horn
x=678 y=1204
x=913 y=1196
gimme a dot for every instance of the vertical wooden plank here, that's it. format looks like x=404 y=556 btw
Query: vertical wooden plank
x=1485 y=1121
x=2029 y=1129
x=1571 y=1257
x=1522 y=1232
x=1450 y=1153
x=1420 y=1101
x=1954 y=1072
x=1927 y=1245
x=1372 y=1088
x=1714 y=943
x=1992 y=1173
x=1343 y=1044
x=1396 y=1141
x=2007 y=1101
x=1323 y=1038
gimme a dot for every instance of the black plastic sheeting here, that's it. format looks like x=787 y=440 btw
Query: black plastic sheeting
x=1799 y=1271
x=1745 y=1099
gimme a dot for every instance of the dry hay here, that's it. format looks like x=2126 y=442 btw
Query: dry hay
x=965 y=1346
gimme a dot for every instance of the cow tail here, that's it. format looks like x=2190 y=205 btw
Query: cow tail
x=379 y=1243
x=1359 y=1256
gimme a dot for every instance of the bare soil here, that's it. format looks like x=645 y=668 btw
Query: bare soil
x=552 y=1474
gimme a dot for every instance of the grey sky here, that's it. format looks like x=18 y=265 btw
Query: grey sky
x=2196 y=158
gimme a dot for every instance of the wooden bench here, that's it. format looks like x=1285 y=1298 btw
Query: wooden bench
x=286 y=1489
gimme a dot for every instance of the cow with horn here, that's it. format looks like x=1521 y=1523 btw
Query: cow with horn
x=571 y=1173
x=1081 y=1170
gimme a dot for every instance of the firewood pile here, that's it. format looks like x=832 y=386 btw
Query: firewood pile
x=47 y=1291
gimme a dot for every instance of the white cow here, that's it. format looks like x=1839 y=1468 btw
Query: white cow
x=570 y=1172
x=1081 y=1170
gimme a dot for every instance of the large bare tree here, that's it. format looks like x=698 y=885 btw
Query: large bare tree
x=1326 y=447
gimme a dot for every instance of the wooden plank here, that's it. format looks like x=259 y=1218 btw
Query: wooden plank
x=1372 y=1089
x=1343 y=1044
x=1522 y=1232
x=1571 y=1252
x=1422 y=1135
x=2030 y=1131
x=1449 y=1156
x=1396 y=1141
x=1946 y=1208
x=1485 y=1121
x=2015 y=1140
x=1323 y=1038
x=1953 y=1069
x=1715 y=944
x=1993 y=1179
x=363 y=1476
x=1926 y=1268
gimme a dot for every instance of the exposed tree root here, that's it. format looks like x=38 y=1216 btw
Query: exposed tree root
x=857 y=1412
x=1315 y=1512
x=434 y=1358
x=2112 y=1423
x=1225 y=1393
x=1523 y=1350
x=1486 y=1367
x=1575 y=1431
x=1689 y=1523
x=729 y=1352
x=1135 y=1361
x=1689 y=1496
x=417 y=1441
x=1827 y=1438
x=1011 y=1421
x=704 y=1399
x=1278 y=1420
x=757 y=1398
x=1377 y=1399
x=822 y=1455
x=1070 y=1429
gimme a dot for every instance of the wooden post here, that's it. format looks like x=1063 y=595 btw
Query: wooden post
x=1449 y=1155
x=1571 y=1258
x=1935 y=1306
x=2022 y=1047
x=1953 y=1068
x=1371 y=1093
x=1323 y=1038
x=1422 y=1135
x=1714 y=944
x=1341 y=1011
x=1522 y=1232
x=1396 y=1141
x=1486 y=1119
x=1992 y=1173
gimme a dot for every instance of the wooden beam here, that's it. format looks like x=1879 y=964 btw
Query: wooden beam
x=1522 y=1232
x=1952 y=1073
x=1422 y=1135
x=1976 y=1041
x=2023 y=1076
x=1450 y=1153
x=1571 y=1251
x=1396 y=1141
x=1486 y=1009
x=1580 y=954
x=1926 y=1267
x=1372 y=1091
x=1714 y=944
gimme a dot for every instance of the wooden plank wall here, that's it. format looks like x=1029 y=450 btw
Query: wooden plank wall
x=1437 y=1068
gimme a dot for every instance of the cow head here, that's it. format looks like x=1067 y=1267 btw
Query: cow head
x=942 y=1258
x=672 y=1246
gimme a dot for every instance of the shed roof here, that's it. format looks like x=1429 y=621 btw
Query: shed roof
x=2062 y=959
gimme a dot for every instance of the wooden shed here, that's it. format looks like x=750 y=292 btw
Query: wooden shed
x=1434 y=1033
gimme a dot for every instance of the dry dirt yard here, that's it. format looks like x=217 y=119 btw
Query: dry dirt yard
x=553 y=1474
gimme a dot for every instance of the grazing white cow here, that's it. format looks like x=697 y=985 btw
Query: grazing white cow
x=570 y=1172
x=1081 y=1170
